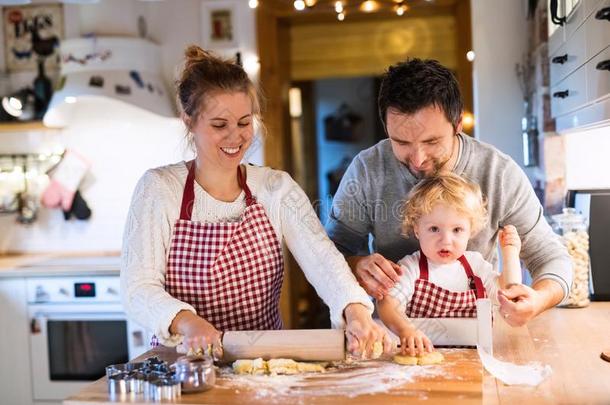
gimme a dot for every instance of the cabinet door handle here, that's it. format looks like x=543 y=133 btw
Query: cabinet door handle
x=560 y=59
x=554 y=17
x=561 y=94
x=603 y=14
x=603 y=65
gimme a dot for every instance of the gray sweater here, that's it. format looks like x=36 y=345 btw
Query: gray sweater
x=371 y=194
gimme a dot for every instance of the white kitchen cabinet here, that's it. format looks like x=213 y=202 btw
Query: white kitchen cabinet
x=569 y=57
x=598 y=72
x=579 y=63
x=570 y=93
x=15 y=379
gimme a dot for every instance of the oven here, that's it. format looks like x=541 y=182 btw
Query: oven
x=77 y=328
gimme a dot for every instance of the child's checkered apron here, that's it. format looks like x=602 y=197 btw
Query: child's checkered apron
x=231 y=272
x=432 y=301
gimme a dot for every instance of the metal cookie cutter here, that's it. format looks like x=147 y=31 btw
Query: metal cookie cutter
x=163 y=389
x=119 y=384
x=122 y=368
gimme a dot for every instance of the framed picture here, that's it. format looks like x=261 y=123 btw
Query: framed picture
x=220 y=24
x=32 y=33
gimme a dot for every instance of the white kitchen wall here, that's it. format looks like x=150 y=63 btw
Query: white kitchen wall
x=499 y=40
x=120 y=142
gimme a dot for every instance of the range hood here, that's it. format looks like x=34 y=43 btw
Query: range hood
x=103 y=69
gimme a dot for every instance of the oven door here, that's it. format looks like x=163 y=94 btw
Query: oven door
x=70 y=345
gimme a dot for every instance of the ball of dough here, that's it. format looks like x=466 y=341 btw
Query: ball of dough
x=405 y=360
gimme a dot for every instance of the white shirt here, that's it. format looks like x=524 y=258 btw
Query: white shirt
x=451 y=276
x=155 y=207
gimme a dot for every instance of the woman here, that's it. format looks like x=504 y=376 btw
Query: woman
x=202 y=246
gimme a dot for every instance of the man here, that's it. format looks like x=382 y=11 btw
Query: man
x=421 y=108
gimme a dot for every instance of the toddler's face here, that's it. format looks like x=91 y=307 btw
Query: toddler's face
x=443 y=234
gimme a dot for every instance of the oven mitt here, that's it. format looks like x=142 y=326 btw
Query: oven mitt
x=79 y=208
x=65 y=180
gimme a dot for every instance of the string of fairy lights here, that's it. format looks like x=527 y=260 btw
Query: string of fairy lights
x=344 y=7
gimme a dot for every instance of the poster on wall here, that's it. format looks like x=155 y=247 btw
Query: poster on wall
x=219 y=25
x=31 y=34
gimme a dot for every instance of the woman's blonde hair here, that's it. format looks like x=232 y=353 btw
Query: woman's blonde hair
x=445 y=188
x=205 y=73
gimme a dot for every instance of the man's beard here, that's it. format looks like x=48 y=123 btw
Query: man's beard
x=438 y=166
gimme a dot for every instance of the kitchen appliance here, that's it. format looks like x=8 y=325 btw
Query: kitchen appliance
x=329 y=344
x=77 y=328
x=121 y=71
x=595 y=206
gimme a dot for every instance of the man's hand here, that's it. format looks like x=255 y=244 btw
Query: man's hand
x=520 y=303
x=375 y=273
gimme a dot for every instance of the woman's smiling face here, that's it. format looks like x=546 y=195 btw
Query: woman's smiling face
x=224 y=129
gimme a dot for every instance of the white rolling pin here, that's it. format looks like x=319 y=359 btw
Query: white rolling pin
x=297 y=344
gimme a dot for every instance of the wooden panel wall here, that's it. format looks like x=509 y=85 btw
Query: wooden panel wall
x=365 y=48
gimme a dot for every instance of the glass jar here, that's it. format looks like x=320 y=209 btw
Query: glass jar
x=573 y=228
x=196 y=373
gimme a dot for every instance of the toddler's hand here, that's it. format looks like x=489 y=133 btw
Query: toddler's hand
x=509 y=236
x=414 y=342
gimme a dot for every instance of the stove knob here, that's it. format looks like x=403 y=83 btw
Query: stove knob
x=65 y=292
x=111 y=291
x=41 y=294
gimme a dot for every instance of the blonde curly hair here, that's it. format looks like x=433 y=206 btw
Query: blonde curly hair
x=445 y=188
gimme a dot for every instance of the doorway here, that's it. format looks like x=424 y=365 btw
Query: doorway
x=333 y=69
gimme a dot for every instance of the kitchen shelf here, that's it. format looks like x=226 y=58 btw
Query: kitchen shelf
x=24 y=126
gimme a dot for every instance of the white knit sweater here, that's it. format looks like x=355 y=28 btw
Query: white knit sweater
x=154 y=209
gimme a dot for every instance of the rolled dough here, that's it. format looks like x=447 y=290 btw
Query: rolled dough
x=276 y=367
x=423 y=360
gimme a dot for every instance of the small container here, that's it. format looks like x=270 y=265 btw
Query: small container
x=573 y=228
x=195 y=373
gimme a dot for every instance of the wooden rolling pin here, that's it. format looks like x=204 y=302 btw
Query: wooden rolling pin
x=297 y=344
x=511 y=266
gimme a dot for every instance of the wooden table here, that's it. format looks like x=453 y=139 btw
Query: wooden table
x=569 y=340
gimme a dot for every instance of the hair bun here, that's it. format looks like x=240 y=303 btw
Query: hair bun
x=194 y=54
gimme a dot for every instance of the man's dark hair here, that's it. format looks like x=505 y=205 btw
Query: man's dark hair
x=414 y=84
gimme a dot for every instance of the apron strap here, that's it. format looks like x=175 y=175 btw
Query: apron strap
x=423 y=266
x=423 y=273
x=480 y=290
x=188 y=196
x=244 y=186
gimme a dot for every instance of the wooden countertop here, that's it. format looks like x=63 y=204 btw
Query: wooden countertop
x=59 y=264
x=569 y=340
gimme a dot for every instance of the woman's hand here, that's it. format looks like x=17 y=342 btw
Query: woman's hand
x=362 y=332
x=199 y=334
x=414 y=342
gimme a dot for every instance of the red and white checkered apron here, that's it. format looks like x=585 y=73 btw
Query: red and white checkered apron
x=231 y=272
x=432 y=301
